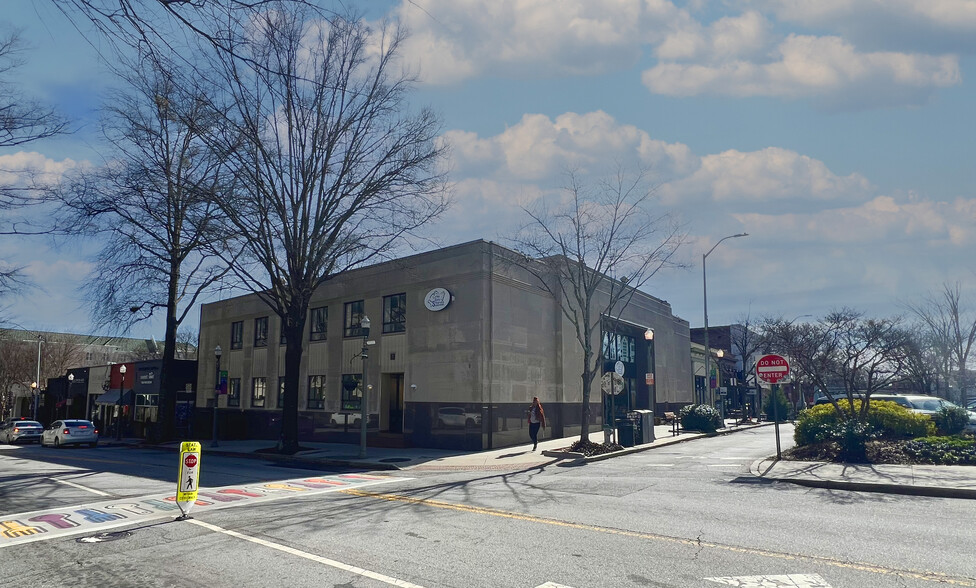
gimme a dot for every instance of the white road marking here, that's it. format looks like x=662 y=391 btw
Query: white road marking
x=785 y=581
x=310 y=556
x=80 y=487
x=552 y=585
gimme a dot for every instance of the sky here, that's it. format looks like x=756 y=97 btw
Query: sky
x=837 y=133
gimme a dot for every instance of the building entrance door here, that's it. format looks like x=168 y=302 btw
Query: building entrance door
x=394 y=386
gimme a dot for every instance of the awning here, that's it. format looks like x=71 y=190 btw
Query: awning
x=112 y=397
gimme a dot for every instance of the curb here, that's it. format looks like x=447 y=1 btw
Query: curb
x=904 y=489
x=580 y=458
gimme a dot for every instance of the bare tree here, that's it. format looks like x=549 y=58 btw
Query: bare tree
x=951 y=329
x=334 y=171
x=154 y=206
x=186 y=344
x=22 y=120
x=18 y=362
x=592 y=251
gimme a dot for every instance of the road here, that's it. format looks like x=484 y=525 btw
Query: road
x=686 y=515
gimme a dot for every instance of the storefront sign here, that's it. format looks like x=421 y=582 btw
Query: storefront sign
x=437 y=299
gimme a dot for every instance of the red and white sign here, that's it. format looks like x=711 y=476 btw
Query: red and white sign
x=772 y=368
x=190 y=461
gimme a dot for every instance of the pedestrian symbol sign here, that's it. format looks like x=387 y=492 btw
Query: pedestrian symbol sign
x=188 y=480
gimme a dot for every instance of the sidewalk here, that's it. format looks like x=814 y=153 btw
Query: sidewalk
x=917 y=480
x=380 y=458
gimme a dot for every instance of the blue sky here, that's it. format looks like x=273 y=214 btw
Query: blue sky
x=838 y=133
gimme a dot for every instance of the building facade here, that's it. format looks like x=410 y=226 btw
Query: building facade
x=460 y=342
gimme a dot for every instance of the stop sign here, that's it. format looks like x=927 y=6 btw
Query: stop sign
x=190 y=461
x=772 y=368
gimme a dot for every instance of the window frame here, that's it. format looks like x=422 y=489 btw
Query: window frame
x=316 y=335
x=264 y=392
x=350 y=316
x=237 y=335
x=233 y=392
x=316 y=402
x=261 y=328
x=391 y=323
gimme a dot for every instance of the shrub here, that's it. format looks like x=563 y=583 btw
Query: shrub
x=951 y=420
x=781 y=409
x=700 y=417
x=885 y=419
x=942 y=450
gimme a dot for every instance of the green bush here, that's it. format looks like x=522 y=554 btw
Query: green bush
x=781 y=411
x=700 y=417
x=951 y=420
x=885 y=419
x=942 y=450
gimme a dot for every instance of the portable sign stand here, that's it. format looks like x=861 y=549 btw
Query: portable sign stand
x=188 y=481
x=771 y=369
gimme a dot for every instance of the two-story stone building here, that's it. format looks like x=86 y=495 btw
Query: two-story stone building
x=461 y=340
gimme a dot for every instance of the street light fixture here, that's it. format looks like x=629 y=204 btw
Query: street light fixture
x=67 y=395
x=217 y=353
x=708 y=367
x=364 y=327
x=118 y=416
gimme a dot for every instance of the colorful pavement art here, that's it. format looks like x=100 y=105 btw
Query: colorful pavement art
x=95 y=517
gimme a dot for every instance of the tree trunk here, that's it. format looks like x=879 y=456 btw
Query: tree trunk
x=166 y=412
x=294 y=329
x=587 y=387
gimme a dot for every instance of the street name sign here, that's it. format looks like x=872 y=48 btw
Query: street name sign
x=772 y=368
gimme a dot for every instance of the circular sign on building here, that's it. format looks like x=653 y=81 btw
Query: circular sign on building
x=437 y=299
x=772 y=368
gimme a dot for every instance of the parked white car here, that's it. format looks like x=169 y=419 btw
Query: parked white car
x=70 y=432
x=927 y=405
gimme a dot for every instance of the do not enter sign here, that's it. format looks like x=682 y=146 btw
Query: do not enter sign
x=772 y=368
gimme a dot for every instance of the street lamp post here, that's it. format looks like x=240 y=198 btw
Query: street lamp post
x=118 y=405
x=67 y=394
x=652 y=388
x=34 y=399
x=364 y=327
x=37 y=379
x=708 y=367
x=217 y=352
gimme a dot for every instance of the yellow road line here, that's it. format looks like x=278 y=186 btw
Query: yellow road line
x=859 y=566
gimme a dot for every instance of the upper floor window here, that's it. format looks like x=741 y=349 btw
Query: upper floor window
x=353 y=316
x=316 y=392
x=319 y=323
x=234 y=392
x=261 y=332
x=259 y=391
x=395 y=313
x=237 y=335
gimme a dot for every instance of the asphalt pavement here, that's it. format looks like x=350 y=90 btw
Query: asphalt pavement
x=921 y=480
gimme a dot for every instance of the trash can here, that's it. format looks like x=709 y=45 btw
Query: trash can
x=644 y=420
x=627 y=432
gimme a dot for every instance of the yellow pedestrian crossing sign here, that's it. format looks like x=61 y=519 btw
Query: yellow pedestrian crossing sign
x=188 y=480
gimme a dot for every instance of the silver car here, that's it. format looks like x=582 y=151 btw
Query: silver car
x=70 y=432
x=15 y=430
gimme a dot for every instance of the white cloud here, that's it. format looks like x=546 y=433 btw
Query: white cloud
x=724 y=39
x=29 y=167
x=771 y=175
x=453 y=40
x=825 y=67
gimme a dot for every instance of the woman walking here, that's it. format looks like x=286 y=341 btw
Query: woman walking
x=537 y=419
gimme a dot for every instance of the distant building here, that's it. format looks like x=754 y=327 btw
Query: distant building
x=463 y=342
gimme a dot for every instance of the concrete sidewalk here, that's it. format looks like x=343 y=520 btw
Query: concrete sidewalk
x=380 y=458
x=917 y=480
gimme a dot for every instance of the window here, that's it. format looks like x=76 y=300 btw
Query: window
x=234 y=392
x=319 y=323
x=354 y=314
x=395 y=313
x=316 y=392
x=259 y=390
x=618 y=347
x=261 y=332
x=281 y=392
x=352 y=391
x=282 y=340
x=237 y=335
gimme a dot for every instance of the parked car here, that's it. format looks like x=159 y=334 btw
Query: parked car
x=455 y=416
x=20 y=429
x=344 y=418
x=927 y=405
x=70 y=432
